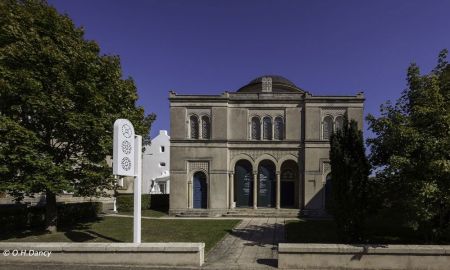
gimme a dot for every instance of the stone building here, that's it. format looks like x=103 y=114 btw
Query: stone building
x=264 y=146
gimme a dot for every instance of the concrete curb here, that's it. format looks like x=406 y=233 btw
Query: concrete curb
x=145 y=254
x=337 y=256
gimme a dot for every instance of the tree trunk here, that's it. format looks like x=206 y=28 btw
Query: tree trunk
x=50 y=212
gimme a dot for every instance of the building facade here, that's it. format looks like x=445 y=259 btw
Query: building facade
x=156 y=165
x=264 y=146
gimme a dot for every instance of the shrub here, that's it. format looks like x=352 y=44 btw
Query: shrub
x=72 y=213
x=13 y=216
x=159 y=201
x=125 y=202
x=19 y=217
x=36 y=217
x=349 y=182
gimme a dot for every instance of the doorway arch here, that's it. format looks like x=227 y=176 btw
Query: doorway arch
x=289 y=184
x=243 y=183
x=266 y=184
x=200 y=197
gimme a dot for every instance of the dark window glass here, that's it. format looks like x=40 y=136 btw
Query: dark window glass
x=194 y=127
x=256 y=128
x=339 y=122
x=205 y=127
x=267 y=127
x=279 y=128
x=327 y=127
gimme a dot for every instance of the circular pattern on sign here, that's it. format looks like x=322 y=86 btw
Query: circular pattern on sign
x=126 y=164
x=126 y=131
x=126 y=147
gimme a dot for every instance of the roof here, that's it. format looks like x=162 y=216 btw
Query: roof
x=279 y=84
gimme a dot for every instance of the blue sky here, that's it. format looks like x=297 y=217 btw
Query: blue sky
x=208 y=47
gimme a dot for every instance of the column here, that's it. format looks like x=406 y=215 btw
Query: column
x=231 y=186
x=278 y=190
x=255 y=190
x=190 y=201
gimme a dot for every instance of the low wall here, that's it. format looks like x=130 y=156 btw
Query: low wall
x=145 y=254
x=333 y=256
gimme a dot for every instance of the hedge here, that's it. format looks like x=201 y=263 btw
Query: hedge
x=13 y=217
x=125 y=202
x=149 y=201
x=20 y=216
x=159 y=201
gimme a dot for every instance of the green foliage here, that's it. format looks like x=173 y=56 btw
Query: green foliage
x=411 y=150
x=72 y=213
x=159 y=202
x=59 y=98
x=13 y=217
x=19 y=217
x=349 y=180
x=125 y=202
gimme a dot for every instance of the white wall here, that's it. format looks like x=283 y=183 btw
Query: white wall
x=152 y=161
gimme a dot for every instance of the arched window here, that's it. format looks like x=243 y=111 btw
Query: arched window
x=339 y=123
x=206 y=133
x=287 y=174
x=279 y=128
x=327 y=127
x=193 y=126
x=256 y=128
x=267 y=128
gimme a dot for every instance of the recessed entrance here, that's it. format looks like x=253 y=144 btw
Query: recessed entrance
x=200 y=190
x=243 y=184
x=289 y=184
x=266 y=184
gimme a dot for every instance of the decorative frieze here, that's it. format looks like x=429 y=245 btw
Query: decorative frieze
x=198 y=165
x=256 y=153
x=333 y=111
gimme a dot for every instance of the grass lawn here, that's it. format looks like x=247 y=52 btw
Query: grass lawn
x=323 y=231
x=120 y=229
x=147 y=213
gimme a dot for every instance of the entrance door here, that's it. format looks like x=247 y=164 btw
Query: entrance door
x=287 y=193
x=243 y=184
x=289 y=184
x=266 y=184
x=200 y=190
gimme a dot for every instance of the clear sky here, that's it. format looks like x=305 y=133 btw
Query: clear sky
x=208 y=47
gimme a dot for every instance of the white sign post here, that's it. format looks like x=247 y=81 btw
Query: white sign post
x=137 y=190
x=127 y=161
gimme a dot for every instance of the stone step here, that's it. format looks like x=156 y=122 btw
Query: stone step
x=263 y=213
x=241 y=213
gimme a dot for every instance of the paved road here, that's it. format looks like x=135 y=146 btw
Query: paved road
x=251 y=245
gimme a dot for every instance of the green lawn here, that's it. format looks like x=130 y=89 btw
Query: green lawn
x=119 y=229
x=147 y=213
x=377 y=232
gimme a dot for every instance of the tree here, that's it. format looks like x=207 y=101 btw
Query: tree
x=59 y=98
x=349 y=181
x=411 y=150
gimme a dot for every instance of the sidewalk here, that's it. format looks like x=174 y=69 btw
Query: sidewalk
x=251 y=245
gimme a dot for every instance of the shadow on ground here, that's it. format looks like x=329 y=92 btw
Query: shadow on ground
x=258 y=235
x=79 y=232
